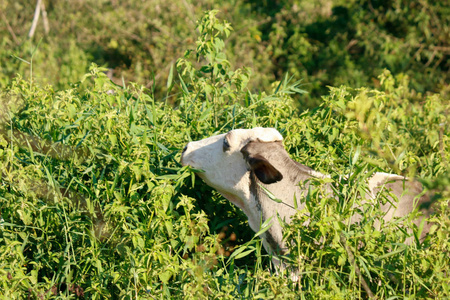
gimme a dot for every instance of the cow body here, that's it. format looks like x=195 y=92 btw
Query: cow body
x=243 y=162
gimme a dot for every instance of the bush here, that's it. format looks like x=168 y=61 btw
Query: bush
x=358 y=132
x=327 y=42
x=95 y=204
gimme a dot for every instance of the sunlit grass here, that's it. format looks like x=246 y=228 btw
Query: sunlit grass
x=95 y=204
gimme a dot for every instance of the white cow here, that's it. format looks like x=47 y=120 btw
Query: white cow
x=242 y=163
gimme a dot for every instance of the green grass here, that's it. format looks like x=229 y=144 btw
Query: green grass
x=95 y=204
x=324 y=42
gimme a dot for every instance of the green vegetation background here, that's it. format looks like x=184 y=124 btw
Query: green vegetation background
x=94 y=202
x=324 y=42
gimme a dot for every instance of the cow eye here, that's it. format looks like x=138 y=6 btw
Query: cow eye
x=226 y=145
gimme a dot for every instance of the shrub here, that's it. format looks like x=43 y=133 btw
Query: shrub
x=327 y=42
x=95 y=204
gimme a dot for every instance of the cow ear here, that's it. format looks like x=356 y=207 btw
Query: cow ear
x=263 y=169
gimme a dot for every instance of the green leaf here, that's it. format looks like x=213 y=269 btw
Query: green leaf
x=264 y=227
x=244 y=254
x=21 y=59
x=205 y=114
x=183 y=85
x=270 y=195
x=392 y=253
x=237 y=253
x=356 y=155
x=169 y=79
x=165 y=276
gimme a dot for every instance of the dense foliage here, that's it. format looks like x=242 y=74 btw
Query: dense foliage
x=326 y=42
x=94 y=203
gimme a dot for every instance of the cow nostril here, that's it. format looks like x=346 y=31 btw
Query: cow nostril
x=184 y=149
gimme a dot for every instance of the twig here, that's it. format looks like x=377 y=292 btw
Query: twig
x=438 y=62
x=441 y=48
x=37 y=12
x=351 y=258
x=11 y=31
x=437 y=48
x=371 y=7
x=352 y=43
x=44 y=17
x=418 y=52
x=431 y=58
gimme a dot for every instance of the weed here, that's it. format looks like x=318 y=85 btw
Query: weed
x=94 y=202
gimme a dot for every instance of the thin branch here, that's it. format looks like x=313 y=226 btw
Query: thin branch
x=435 y=48
x=418 y=52
x=352 y=43
x=430 y=60
x=37 y=12
x=44 y=17
x=438 y=62
x=11 y=31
